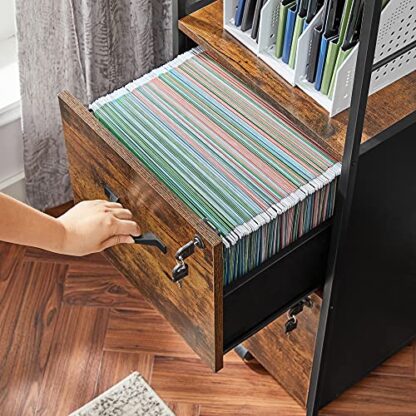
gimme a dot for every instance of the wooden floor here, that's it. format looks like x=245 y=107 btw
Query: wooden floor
x=70 y=328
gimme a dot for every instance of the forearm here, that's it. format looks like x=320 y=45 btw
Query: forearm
x=21 y=224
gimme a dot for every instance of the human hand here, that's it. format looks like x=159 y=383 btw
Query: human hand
x=93 y=226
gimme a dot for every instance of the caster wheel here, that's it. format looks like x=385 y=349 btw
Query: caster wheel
x=243 y=353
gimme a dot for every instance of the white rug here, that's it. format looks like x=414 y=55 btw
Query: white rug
x=131 y=397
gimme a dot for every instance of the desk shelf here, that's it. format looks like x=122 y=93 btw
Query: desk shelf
x=205 y=27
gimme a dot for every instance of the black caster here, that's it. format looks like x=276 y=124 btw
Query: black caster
x=243 y=353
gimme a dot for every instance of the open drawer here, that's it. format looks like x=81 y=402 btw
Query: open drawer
x=211 y=318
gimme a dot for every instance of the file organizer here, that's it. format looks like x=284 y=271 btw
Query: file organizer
x=245 y=38
x=397 y=29
x=267 y=42
x=268 y=29
x=265 y=49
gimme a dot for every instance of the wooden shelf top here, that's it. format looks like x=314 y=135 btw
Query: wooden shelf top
x=385 y=108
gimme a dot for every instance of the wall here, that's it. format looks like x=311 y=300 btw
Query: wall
x=11 y=160
x=11 y=148
x=7 y=20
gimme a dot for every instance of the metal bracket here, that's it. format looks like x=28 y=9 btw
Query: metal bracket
x=180 y=271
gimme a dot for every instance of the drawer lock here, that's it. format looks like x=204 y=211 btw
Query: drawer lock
x=181 y=269
x=292 y=322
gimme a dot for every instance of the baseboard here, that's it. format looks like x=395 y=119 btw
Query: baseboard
x=14 y=186
x=10 y=113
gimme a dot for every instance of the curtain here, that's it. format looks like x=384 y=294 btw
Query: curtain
x=89 y=47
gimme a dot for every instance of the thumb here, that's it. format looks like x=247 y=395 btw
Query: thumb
x=115 y=240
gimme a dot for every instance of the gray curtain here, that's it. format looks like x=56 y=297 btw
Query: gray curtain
x=89 y=47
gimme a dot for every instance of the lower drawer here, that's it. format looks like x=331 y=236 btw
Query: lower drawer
x=210 y=319
x=269 y=291
x=289 y=357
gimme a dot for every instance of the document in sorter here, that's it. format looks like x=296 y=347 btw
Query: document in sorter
x=330 y=32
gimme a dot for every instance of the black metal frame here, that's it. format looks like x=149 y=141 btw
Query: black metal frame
x=186 y=7
x=350 y=289
x=329 y=377
x=368 y=39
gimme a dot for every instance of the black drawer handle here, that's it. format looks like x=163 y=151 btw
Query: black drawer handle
x=146 y=239
x=149 y=239
x=112 y=197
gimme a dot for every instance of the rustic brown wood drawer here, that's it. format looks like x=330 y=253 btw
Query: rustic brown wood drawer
x=289 y=357
x=211 y=318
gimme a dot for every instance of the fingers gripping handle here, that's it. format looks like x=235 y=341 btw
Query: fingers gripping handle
x=146 y=239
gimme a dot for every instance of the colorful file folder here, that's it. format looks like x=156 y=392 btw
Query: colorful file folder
x=289 y=28
x=233 y=159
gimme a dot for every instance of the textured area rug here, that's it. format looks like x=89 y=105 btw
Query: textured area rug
x=131 y=397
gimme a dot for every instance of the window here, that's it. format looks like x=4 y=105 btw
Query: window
x=9 y=72
x=7 y=20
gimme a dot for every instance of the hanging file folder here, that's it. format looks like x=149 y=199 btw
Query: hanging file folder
x=233 y=159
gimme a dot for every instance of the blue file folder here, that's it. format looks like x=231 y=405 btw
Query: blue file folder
x=290 y=25
x=321 y=63
x=239 y=12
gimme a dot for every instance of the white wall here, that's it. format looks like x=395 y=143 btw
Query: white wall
x=11 y=148
x=11 y=160
x=7 y=20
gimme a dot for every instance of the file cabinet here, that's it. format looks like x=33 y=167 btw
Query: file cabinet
x=350 y=321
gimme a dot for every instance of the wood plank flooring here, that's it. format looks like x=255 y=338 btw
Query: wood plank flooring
x=71 y=328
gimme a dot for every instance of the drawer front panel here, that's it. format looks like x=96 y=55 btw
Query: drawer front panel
x=289 y=357
x=257 y=299
x=195 y=309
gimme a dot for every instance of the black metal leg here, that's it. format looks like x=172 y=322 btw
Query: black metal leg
x=368 y=39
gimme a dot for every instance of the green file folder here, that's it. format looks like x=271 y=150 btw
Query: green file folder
x=300 y=22
x=334 y=47
x=284 y=7
x=342 y=56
